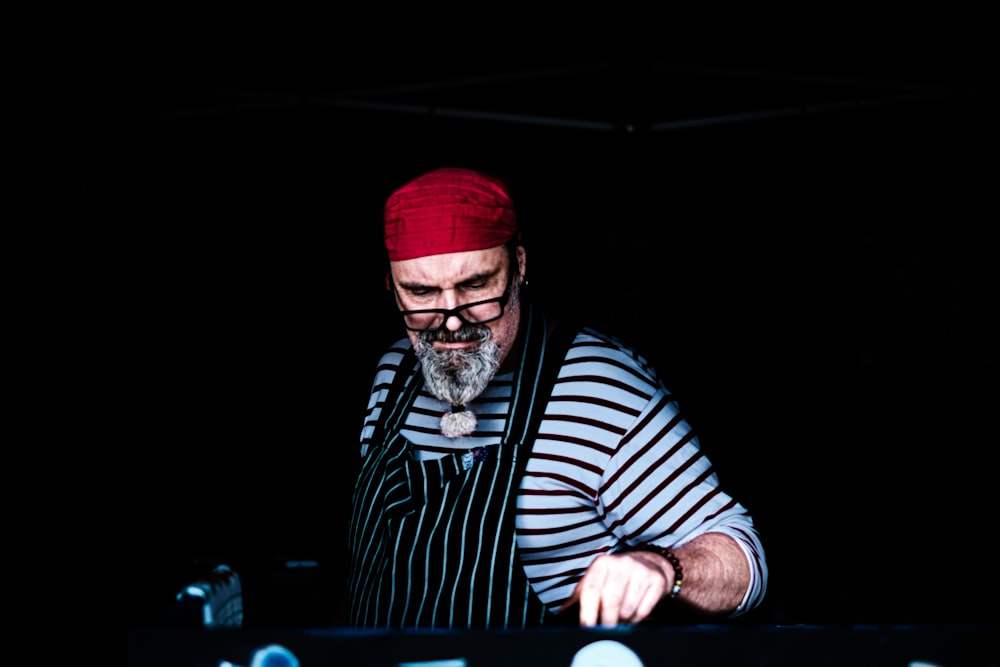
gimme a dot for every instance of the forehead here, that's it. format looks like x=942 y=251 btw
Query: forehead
x=449 y=267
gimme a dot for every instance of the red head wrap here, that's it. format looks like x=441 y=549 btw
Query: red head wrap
x=448 y=210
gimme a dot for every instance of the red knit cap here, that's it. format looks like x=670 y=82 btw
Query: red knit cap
x=448 y=210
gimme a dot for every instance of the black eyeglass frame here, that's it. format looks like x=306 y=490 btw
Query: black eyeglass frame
x=457 y=312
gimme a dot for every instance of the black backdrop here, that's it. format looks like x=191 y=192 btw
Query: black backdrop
x=814 y=285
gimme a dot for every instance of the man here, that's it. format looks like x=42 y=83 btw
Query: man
x=513 y=467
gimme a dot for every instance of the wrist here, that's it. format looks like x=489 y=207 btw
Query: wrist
x=675 y=564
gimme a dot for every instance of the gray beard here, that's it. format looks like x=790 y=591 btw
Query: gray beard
x=458 y=376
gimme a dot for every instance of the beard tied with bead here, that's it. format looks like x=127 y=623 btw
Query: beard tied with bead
x=458 y=376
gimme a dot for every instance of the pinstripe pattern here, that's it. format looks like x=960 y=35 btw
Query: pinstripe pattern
x=613 y=465
x=434 y=540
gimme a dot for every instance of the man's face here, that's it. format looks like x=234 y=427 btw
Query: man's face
x=459 y=359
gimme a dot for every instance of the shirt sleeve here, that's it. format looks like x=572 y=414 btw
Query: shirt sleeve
x=660 y=487
x=615 y=464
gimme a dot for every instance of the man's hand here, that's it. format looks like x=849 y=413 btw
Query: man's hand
x=625 y=587
x=621 y=588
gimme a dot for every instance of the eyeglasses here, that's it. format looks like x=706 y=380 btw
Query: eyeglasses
x=475 y=313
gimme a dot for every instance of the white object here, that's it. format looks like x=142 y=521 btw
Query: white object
x=606 y=653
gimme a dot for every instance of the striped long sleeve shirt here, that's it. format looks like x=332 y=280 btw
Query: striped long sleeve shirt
x=614 y=465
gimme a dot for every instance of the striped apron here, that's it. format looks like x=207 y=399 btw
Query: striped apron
x=433 y=542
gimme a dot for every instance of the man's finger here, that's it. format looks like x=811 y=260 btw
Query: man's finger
x=588 y=591
x=590 y=603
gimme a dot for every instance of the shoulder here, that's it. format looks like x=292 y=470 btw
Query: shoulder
x=594 y=354
x=393 y=355
x=389 y=363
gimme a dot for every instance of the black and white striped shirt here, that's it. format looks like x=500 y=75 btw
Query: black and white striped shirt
x=614 y=465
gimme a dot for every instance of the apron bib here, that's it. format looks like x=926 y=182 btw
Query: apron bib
x=434 y=541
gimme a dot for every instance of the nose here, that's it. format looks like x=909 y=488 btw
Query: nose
x=452 y=322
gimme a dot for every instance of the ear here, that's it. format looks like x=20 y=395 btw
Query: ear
x=388 y=285
x=522 y=262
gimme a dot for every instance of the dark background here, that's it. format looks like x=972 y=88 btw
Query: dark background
x=801 y=236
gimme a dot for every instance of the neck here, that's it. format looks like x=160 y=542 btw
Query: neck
x=513 y=354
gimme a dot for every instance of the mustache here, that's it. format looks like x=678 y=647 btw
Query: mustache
x=462 y=335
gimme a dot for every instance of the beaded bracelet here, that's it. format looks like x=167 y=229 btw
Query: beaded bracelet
x=674 y=563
